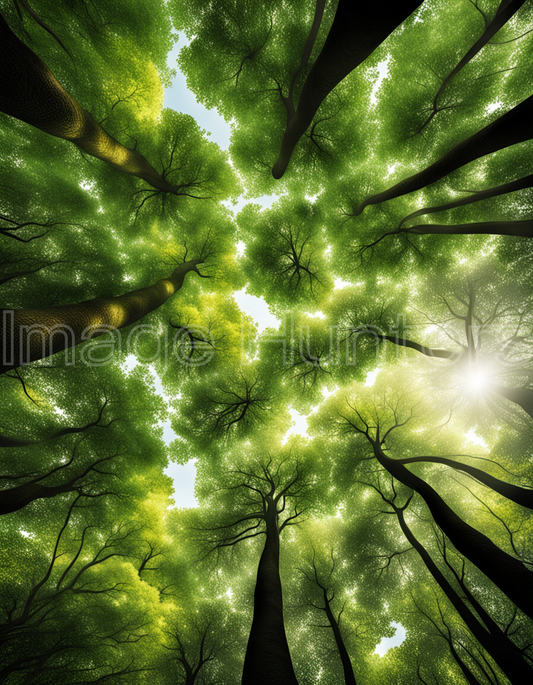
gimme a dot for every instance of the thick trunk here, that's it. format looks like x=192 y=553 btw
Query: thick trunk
x=505 y=11
x=511 y=128
x=506 y=572
x=522 y=228
x=30 y=334
x=521 y=496
x=20 y=496
x=519 y=184
x=349 y=677
x=268 y=660
x=357 y=30
x=522 y=397
x=30 y=92
x=494 y=641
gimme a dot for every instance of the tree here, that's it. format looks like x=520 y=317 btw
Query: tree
x=77 y=323
x=272 y=494
x=415 y=469
x=334 y=621
x=35 y=96
x=354 y=34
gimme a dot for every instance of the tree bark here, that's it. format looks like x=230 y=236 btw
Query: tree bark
x=519 y=184
x=349 y=677
x=511 y=128
x=521 y=496
x=30 y=334
x=268 y=660
x=505 y=571
x=357 y=30
x=506 y=654
x=30 y=92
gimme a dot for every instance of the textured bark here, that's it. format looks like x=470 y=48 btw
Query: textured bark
x=521 y=496
x=357 y=30
x=504 y=12
x=522 y=228
x=30 y=334
x=268 y=660
x=30 y=92
x=349 y=677
x=505 y=571
x=519 y=184
x=511 y=128
x=506 y=654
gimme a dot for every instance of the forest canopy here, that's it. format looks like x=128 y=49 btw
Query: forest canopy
x=396 y=141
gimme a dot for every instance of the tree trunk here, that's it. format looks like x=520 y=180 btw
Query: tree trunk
x=519 y=184
x=506 y=654
x=521 y=496
x=30 y=92
x=268 y=660
x=349 y=677
x=506 y=572
x=357 y=30
x=13 y=499
x=30 y=334
x=509 y=129
x=522 y=228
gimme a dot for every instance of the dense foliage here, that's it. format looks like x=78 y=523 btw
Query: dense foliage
x=398 y=140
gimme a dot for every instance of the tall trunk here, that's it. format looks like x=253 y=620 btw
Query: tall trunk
x=523 y=228
x=505 y=11
x=349 y=677
x=512 y=186
x=506 y=654
x=268 y=660
x=506 y=572
x=511 y=128
x=30 y=334
x=357 y=30
x=30 y=92
x=521 y=496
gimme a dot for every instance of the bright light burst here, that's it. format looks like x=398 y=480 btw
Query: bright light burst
x=477 y=377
